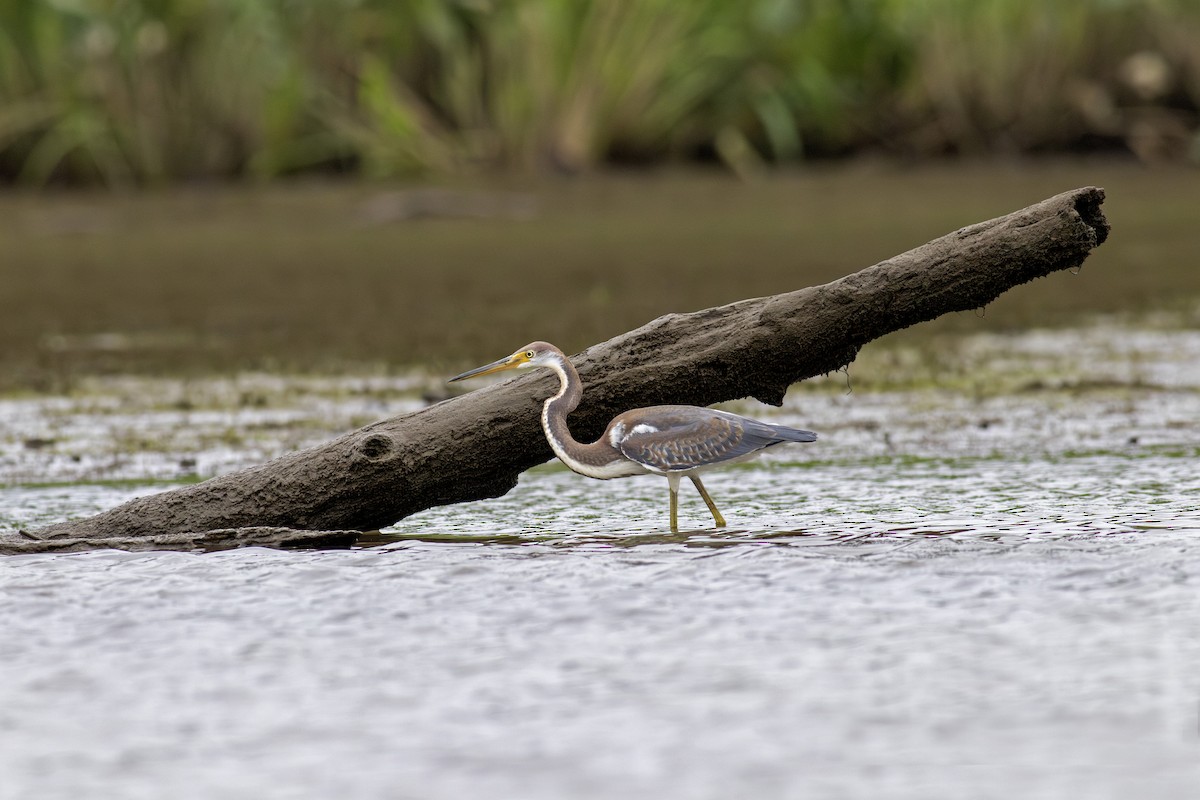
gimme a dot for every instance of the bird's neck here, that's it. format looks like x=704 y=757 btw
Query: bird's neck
x=556 y=408
x=600 y=459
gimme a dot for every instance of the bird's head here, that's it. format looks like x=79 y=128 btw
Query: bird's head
x=534 y=354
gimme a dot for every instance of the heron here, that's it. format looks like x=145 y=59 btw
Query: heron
x=672 y=441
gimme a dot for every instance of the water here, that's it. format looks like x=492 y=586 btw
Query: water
x=952 y=594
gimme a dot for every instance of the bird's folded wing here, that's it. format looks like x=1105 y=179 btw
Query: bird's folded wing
x=677 y=441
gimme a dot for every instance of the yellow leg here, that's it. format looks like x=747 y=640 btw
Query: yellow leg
x=708 y=501
x=673 y=480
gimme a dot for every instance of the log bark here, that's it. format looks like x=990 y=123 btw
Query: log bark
x=474 y=446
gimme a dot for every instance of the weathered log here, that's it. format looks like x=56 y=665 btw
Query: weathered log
x=474 y=446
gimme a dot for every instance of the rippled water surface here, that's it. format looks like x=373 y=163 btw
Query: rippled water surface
x=952 y=594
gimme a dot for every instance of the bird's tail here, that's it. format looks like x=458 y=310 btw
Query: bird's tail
x=787 y=434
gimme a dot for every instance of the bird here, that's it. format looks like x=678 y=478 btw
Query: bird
x=669 y=440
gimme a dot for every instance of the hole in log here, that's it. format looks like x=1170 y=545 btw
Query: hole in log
x=376 y=447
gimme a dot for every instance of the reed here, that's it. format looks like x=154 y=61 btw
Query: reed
x=150 y=91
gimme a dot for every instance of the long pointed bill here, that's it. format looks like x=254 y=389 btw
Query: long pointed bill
x=508 y=362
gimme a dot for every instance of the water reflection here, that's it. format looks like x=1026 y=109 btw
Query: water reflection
x=971 y=501
x=1006 y=610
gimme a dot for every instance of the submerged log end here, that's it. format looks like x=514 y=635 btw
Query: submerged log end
x=197 y=541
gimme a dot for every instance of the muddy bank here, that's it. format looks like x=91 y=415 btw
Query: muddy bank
x=217 y=281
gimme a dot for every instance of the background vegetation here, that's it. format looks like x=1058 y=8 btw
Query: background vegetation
x=152 y=91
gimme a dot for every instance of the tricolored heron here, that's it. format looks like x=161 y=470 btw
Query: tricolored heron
x=672 y=441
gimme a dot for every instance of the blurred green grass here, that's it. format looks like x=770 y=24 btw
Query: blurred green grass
x=121 y=92
x=333 y=277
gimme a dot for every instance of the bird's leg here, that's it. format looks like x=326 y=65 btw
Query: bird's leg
x=673 y=480
x=717 y=518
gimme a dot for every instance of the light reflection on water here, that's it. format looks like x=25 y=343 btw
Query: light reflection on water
x=978 y=627
x=956 y=609
x=965 y=499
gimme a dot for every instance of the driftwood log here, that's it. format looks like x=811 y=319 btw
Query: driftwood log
x=474 y=446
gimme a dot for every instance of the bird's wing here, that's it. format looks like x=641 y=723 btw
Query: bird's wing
x=679 y=438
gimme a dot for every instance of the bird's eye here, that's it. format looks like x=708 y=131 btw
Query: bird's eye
x=529 y=354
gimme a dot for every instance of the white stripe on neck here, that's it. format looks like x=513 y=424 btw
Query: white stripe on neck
x=620 y=468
